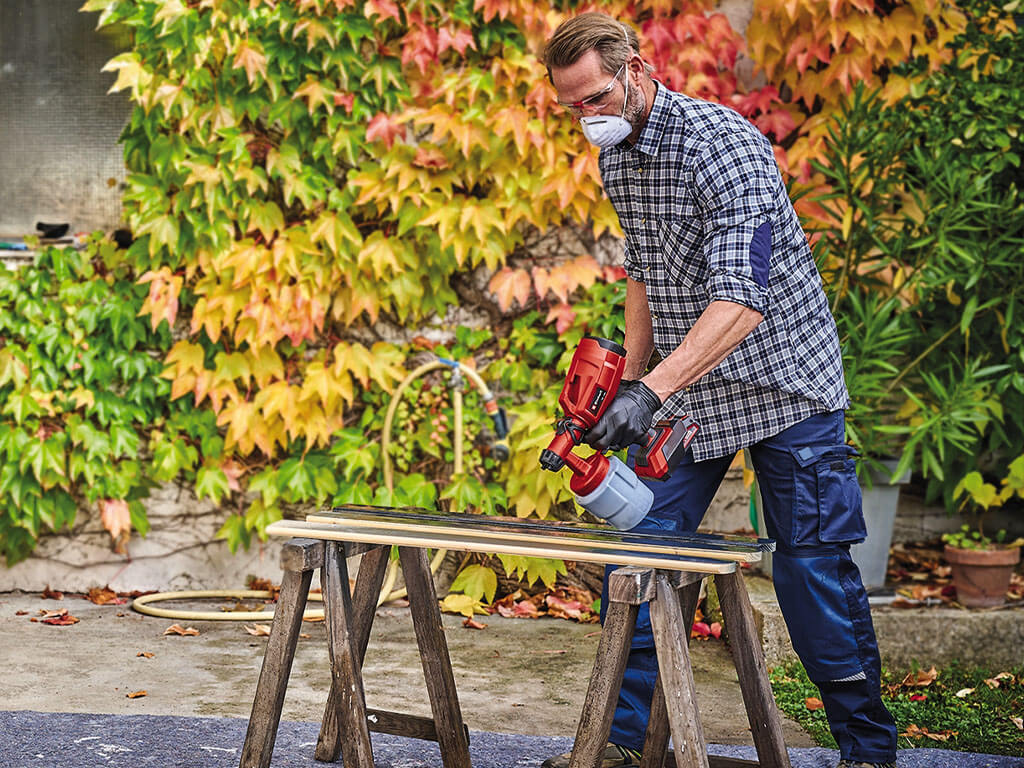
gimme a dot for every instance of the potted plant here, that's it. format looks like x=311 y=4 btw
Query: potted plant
x=982 y=566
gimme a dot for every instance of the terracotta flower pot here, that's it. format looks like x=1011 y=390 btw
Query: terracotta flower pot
x=982 y=576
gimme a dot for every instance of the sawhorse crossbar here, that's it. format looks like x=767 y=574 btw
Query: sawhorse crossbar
x=669 y=582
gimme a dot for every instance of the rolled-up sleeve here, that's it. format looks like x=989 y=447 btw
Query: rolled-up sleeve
x=735 y=179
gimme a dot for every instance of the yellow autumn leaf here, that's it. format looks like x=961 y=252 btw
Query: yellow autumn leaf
x=251 y=59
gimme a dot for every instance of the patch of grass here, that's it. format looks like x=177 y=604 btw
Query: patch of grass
x=928 y=712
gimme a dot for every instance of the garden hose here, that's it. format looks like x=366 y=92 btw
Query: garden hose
x=501 y=450
x=142 y=605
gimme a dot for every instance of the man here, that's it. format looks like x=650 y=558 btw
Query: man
x=721 y=283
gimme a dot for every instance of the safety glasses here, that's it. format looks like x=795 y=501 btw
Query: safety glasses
x=595 y=101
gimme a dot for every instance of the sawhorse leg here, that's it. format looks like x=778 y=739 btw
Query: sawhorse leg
x=752 y=672
x=437 y=666
x=748 y=656
x=628 y=588
x=299 y=558
x=364 y=602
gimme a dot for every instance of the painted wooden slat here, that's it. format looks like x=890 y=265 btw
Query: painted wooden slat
x=419 y=516
x=465 y=541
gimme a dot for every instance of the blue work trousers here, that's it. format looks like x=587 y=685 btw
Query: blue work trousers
x=812 y=508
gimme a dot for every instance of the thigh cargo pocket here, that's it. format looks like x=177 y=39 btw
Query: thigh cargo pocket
x=826 y=496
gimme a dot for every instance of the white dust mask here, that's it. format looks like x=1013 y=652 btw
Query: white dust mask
x=608 y=130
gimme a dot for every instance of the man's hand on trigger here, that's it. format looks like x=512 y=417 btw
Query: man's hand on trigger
x=627 y=419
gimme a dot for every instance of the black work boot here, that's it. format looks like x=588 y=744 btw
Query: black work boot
x=846 y=763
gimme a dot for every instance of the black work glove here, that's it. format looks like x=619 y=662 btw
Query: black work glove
x=627 y=419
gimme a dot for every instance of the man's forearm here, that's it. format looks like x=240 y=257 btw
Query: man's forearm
x=717 y=332
x=639 y=332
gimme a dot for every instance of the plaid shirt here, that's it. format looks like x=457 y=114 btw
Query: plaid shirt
x=706 y=217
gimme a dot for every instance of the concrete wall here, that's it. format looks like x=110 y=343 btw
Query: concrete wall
x=59 y=156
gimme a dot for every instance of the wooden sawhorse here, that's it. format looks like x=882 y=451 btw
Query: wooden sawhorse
x=671 y=587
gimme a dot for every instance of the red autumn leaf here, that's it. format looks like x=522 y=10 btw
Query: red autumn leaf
x=777 y=122
x=700 y=629
x=510 y=285
x=813 y=704
x=386 y=9
x=64 y=619
x=459 y=39
x=382 y=127
x=565 y=609
x=473 y=624
x=52 y=594
x=563 y=315
x=346 y=100
x=613 y=274
x=918 y=697
x=525 y=609
x=430 y=157
x=716 y=630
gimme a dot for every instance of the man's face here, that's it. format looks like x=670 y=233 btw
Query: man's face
x=587 y=87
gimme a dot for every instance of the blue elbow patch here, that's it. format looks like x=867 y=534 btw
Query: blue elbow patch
x=761 y=253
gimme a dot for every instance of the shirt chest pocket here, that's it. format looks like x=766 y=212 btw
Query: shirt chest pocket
x=679 y=243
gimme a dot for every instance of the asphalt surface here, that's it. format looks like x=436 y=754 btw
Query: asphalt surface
x=37 y=739
x=114 y=689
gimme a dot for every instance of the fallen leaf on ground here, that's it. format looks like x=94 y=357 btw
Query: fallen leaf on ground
x=52 y=594
x=61 y=621
x=60 y=618
x=104 y=596
x=918 y=697
x=699 y=630
x=1019 y=722
x=21 y=613
x=144 y=654
x=813 y=704
x=177 y=629
x=473 y=624
x=920 y=679
x=914 y=732
x=992 y=683
x=716 y=629
x=259 y=630
x=964 y=692
x=566 y=609
x=312 y=619
x=135 y=694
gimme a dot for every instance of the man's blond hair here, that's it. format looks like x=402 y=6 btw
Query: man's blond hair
x=590 y=32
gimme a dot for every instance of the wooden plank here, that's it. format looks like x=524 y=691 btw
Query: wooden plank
x=560 y=534
x=401 y=724
x=605 y=681
x=698 y=544
x=656 y=738
x=277 y=665
x=346 y=672
x=364 y=604
x=671 y=634
x=467 y=542
x=748 y=656
x=437 y=665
